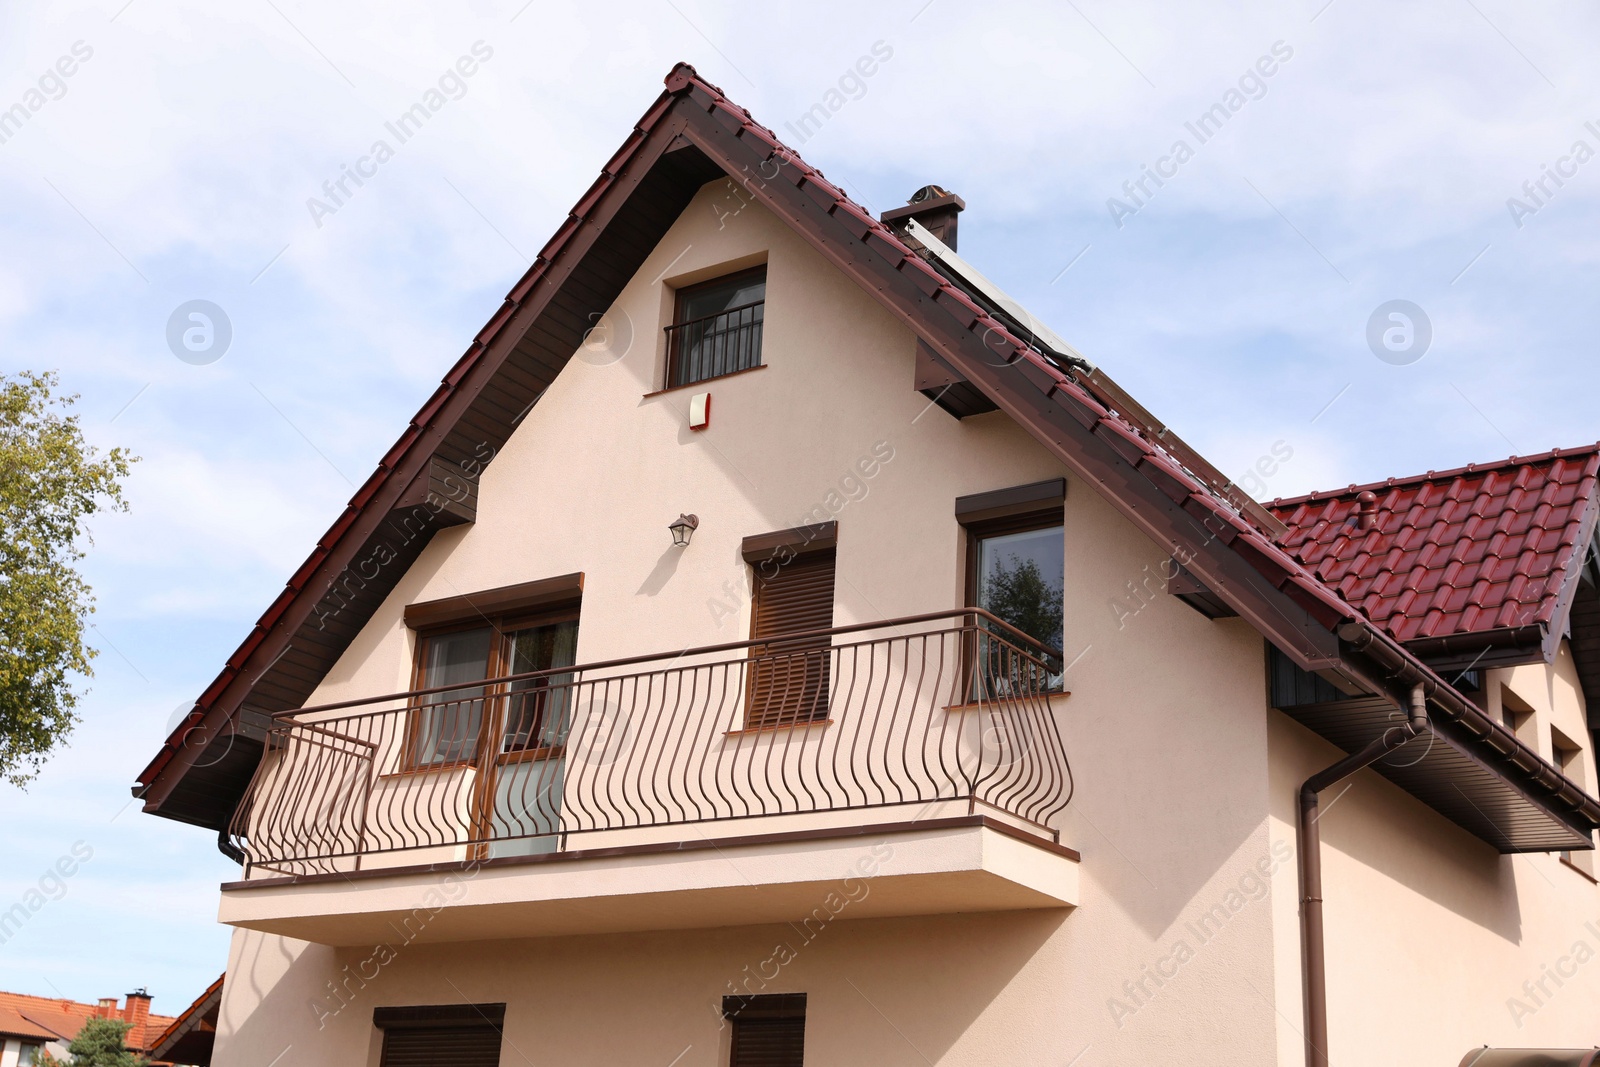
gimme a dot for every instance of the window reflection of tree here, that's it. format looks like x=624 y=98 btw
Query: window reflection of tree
x=1017 y=591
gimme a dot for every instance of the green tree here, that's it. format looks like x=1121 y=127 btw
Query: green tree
x=99 y=1044
x=1019 y=594
x=50 y=483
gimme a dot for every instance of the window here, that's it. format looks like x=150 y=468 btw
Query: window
x=1515 y=712
x=716 y=329
x=527 y=714
x=792 y=579
x=1016 y=566
x=463 y=1035
x=1568 y=755
x=768 y=1031
x=28 y=1055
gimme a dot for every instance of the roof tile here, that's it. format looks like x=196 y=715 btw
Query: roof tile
x=1453 y=552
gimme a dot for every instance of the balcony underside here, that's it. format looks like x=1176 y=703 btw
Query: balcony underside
x=963 y=864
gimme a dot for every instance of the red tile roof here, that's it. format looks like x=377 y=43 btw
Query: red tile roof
x=197 y=1022
x=1485 y=547
x=14 y=1024
x=63 y=1018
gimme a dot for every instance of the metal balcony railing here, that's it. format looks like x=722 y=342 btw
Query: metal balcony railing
x=715 y=344
x=949 y=707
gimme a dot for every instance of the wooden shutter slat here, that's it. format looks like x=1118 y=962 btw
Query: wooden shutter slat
x=769 y=1042
x=455 y=1046
x=789 y=679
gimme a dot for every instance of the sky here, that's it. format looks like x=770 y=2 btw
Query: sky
x=1357 y=154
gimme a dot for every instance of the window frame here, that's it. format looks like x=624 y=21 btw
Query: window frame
x=680 y=298
x=978 y=532
x=1516 y=714
x=1567 y=754
x=500 y=627
x=1017 y=509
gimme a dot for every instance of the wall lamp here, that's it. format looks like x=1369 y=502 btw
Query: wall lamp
x=683 y=528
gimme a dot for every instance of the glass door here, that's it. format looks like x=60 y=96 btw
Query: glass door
x=532 y=721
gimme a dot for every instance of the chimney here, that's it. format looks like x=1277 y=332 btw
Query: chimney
x=106 y=1008
x=933 y=207
x=137 y=1012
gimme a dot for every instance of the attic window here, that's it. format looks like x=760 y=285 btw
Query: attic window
x=1514 y=712
x=716 y=329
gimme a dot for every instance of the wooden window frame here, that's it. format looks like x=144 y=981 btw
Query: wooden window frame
x=681 y=297
x=1018 y=509
x=409 y=763
x=978 y=532
x=506 y=626
x=501 y=626
x=487 y=755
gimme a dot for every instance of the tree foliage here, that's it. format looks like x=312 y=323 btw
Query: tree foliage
x=50 y=483
x=1018 y=592
x=101 y=1043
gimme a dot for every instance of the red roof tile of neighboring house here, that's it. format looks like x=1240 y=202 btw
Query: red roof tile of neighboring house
x=190 y=1037
x=62 y=1019
x=13 y=1024
x=1485 y=547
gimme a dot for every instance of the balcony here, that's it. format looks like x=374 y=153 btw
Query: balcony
x=728 y=784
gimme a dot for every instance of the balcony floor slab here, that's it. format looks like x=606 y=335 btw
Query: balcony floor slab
x=963 y=864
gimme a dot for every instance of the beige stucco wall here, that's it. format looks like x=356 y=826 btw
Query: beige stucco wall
x=1431 y=933
x=1556 y=697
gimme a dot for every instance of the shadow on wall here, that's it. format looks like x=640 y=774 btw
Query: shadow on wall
x=272 y=982
x=1154 y=840
x=662 y=573
x=1382 y=827
x=905 y=991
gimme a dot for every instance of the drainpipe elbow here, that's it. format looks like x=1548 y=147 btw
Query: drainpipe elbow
x=1418 y=722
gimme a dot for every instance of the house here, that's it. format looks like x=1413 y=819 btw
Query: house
x=190 y=1038
x=21 y=1039
x=772 y=645
x=30 y=1024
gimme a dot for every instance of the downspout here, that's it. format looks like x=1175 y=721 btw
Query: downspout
x=226 y=846
x=1316 y=979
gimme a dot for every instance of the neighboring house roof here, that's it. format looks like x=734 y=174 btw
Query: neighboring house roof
x=1489 y=550
x=61 y=1019
x=691 y=135
x=13 y=1024
x=190 y=1037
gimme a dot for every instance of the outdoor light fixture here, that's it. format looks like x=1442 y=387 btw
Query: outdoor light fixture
x=683 y=528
